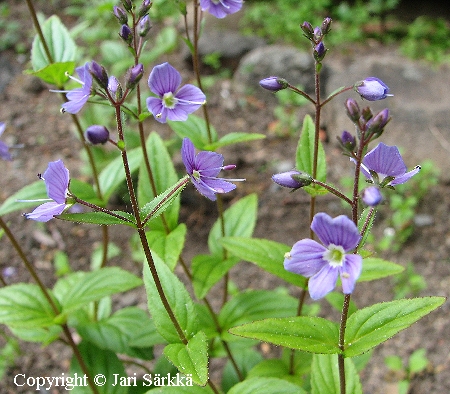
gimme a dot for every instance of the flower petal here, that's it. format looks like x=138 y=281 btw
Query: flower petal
x=350 y=272
x=156 y=107
x=190 y=95
x=323 y=282
x=163 y=79
x=340 y=231
x=56 y=178
x=208 y=163
x=385 y=160
x=403 y=178
x=210 y=187
x=46 y=211
x=305 y=258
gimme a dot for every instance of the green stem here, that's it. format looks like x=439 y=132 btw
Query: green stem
x=334 y=191
x=341 y=359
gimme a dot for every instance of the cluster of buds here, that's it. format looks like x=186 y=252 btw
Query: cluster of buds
x=141 y=21
x=316 y=36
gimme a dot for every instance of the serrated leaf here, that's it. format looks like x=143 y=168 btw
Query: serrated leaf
x=375 y=268
x=207 y=270
x=268 y=255
x=234 y=138
x=178 y=298
x=311 y=334
x=266 y=386
x=60 y=44
x=33 y=191
x=240 y=220
x=191 y=358
x=55 y=74
x=373 y=325
x=77 y=290
x=24 y=305
x=325 y=375
x=195 y=129
x=102 y=218
x=362 y=222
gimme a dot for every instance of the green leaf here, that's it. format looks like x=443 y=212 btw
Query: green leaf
x=240 y=220
x=362 y=221
x=266 y=386
x=325 y=375
x=78 y=289
x=55 y=74
x=268 y=255
x=245 y=358
x=373 y=325
x=103 y=364
x=305 y=157
x=311 y=334
x=85 y=191
x=191 y=358
x=195 y=129
x=168 y=246
x=44 y=335
x=33 y=191
x=178 y=298
x=188 y=389
x=60 y=44
x=335 y=92
x=417 y=361
x=234 y=138
x=336 y=300
x=100 y=218
x=252 y=305
x=375 y=268
x=24 y=305
x=207 y=270
x=113 y=175
x=97 y=255
x=164 y=180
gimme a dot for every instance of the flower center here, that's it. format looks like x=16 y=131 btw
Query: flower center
x=196 y=174
x=169 y=100
x=334 y=255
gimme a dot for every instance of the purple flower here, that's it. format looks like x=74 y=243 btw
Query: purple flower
x=323 y=263
x=274 y=84
x=386 y=164
x=203 y=169
x=292 y=179
x=371 y=196
x=56 y=178
x=372 y=89
x=221 y=8
x=173 y=103
x=78 y=96
x=4 y=149
x=97 y=134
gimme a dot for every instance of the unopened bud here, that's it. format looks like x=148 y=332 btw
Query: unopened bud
x=127 y=4
x=319 y=51
x=126 y=34
x=371 y=196
x=317 y=34
x=121 y=15
x=292 y=179
x=134 y=75
x=347 y=141
x=308 y=30
x=97 y=134
x=353 y=111
x=377 y=123
x=99 y=73
x=144 y=26
x=144 y=8
x=274 y=84
x=326 y=26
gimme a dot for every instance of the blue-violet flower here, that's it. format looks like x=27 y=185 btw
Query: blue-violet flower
x=4 y=149
x=372 y=89
x=221 y=8
x=385 y=163
x=56 y=178
x=274 y=84
x=371 y=196
x=292 y=179
x=172 y=103
x=203 y=169
x=323 y=263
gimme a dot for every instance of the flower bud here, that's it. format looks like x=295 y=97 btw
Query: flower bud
x=319 y=51
x=292 y=179
x=127 y=4
x=377 y=123
x=99 y=73
x=121 y=15
x=372 y=89
x=347 y=141
x=274 y=84
x=144 y=26
x=134 y=75
x=126 y=34
x=353 y=110
x=317 y=35
x=326 y=25
x=371 y=196
x=144 y=8
x=97 y=134
x=308 y=30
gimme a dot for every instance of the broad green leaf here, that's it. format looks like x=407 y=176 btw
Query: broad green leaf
x=375 y=268
x=253 y=305
x=168 y=246
x=246 y=358
x=189 y=388
x=113 y=174
x=191 y=358
x=80 y=288
x=33 y=191
x=44 y=335
x=56 y=73
x=325 y=375
x=305 y=156
x=240 y=220
x=234 y=138
x=178 y=298
x=195 y=129
x=375 y=324
x=207 y=270
x=61 y=45
x=97 y=255
x=8 y=354
x=266 y=386
x=164 y=178
x=102 y=364
x=335 y=92
x=311 y=334
x=100 y=218
x=336 y=300
x=268 y=255
x=85 y=191
x=24 y=305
